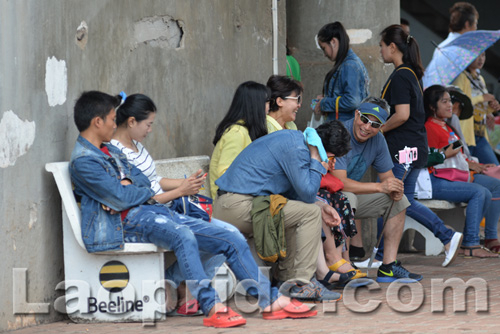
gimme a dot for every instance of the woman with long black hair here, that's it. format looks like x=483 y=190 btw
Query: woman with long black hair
x=346 y=84
x=244 y=122
x=406 y=127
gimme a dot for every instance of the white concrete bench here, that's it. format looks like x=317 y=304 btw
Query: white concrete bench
x=124 y=285
x=433 y=246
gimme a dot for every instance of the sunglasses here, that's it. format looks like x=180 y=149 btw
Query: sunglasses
x=298 y=98
x=366 y=120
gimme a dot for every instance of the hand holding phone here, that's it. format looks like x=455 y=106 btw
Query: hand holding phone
x=454 y=146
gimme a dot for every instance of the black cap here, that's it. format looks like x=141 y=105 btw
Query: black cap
x=466 y=107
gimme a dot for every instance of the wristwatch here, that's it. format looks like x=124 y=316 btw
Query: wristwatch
x=151 y=201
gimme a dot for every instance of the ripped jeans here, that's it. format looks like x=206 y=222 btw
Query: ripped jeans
x=187 y=236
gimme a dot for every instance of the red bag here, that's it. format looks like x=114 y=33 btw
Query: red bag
x=454 y=168
x=331 y=183
x=452 y=174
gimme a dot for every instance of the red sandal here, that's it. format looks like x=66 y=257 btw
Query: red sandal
x=493 y=245
x=222 y=319
x=293 y=310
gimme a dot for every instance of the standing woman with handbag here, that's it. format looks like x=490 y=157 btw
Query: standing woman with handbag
x=405 y=127
x=477 y=195
x=346 y=84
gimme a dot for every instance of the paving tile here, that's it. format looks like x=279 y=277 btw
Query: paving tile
x=341 y=318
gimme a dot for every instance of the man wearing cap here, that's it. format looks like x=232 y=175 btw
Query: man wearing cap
x=375 y=199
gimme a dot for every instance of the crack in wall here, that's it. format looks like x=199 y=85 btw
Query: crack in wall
x=159 y=31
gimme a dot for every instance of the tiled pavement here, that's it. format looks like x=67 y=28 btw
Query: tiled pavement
x=412 y=312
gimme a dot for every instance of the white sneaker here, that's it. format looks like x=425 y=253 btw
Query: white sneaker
x=364 y=264
x=452 y=252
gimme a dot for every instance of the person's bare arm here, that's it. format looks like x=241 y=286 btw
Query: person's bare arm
x=401 y=115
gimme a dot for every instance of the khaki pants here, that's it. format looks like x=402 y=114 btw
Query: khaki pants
x=302 y=232
x=375 y=205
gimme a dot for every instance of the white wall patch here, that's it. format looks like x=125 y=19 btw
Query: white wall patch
x=56 y=81
x=359 y=36
x=16 y=139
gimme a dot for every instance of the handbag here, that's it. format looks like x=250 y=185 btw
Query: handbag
x=314 y=123
x=454 y=168
x=196 y=206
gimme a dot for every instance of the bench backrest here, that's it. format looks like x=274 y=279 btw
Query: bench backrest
x=60 y=171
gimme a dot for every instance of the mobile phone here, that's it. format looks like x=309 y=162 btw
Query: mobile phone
x=457 y=144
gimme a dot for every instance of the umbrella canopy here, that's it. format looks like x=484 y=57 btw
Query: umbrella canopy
x=453 y=58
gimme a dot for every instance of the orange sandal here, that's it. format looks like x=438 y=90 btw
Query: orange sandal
x=293 y=310
x=222 y=319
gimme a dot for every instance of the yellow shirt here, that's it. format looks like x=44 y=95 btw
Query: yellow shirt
x=232 y=142
x=273 y=125
x=467 y=125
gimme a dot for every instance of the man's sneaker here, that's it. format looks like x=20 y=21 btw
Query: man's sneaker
x=452 y=252
x=388 y=273
x=314 y=292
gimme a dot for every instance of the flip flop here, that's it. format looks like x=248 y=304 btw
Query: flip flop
x=467 y=252
x=294 y=310
x=222 y=319
x=190 y=308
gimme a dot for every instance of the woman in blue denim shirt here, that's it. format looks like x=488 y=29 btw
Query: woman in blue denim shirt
x=346 y=84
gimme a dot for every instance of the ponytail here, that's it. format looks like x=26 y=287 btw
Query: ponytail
x=405 y=43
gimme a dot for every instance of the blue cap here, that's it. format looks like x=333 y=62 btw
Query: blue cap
x=372 y=109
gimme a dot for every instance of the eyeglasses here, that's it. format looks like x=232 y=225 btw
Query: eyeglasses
x=366 y=120
x=298 y=98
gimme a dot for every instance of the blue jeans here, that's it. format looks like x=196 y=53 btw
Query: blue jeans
x=185 y=235
x=493 y=214
x=211 y=263
x=483 y=151
x=477 y=198
x=416 y=210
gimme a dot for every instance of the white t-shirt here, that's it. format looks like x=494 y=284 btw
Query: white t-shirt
x=143 y=161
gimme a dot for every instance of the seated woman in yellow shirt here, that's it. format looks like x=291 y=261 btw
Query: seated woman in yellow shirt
x=244 y=122
x=286 y=98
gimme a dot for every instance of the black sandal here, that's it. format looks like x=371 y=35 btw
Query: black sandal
x=344 y=278
x=470 y=249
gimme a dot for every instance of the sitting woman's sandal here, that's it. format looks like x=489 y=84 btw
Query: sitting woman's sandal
x=341 y=262
x=477 y=251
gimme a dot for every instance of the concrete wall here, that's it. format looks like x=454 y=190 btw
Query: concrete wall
x=364 y=21
x=188 y=55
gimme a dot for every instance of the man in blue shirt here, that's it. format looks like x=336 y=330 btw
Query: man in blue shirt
x=375 y=199
x=119 y=206
x=283 y=163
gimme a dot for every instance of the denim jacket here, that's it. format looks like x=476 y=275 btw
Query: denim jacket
x=277 y=163
x=350 y=82
x=96 y=178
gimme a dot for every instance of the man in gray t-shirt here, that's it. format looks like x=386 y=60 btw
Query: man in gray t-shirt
x=374 y=199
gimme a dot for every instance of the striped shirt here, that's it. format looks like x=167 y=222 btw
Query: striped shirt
x=143 y=161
